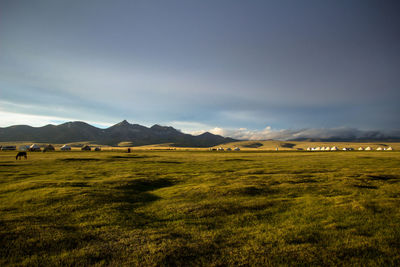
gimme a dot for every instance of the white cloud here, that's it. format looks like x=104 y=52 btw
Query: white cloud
x=11 y=118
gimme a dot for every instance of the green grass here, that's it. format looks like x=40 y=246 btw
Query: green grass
x=186 y=208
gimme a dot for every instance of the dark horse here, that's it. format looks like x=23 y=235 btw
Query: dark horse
x=21 y=154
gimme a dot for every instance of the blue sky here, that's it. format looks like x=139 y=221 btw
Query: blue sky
x=202 y=65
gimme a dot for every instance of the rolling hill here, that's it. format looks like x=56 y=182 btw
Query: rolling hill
x=124 y=131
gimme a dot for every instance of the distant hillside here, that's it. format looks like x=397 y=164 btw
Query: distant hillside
x=121 y=132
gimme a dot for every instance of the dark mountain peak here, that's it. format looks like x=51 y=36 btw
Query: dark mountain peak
x=158 y=127
x=49 y=126
x=123 y=123
x=18 y=127
x=206 y=134
x=75 y=123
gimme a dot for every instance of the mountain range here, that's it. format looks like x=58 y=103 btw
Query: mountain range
x=124 y=131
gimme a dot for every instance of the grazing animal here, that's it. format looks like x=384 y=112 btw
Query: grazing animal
x=20 y=155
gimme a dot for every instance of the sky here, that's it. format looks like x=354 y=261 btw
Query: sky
x=246 y=69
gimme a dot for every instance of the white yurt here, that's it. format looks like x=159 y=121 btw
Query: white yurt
x=368 y=148
x=308 y=148
x=379 y=148
x=220 y=149
x=317 y=148
x=327 y=148
x=389 y=148
x=236 y=149
x=360 y=148
x=65 y=148
x=34 y=147
x=334 y=148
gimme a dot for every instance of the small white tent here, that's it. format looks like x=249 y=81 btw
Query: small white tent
x=360 y=148
x=379 y=148
x=317 y=148
x=34 y=147
x=389 y=148
x=334 y=148
x=368 y=148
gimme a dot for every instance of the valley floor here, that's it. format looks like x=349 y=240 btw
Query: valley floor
x=191 y=208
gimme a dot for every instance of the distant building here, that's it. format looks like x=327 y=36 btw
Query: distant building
x=34 y=147
x=65 y=148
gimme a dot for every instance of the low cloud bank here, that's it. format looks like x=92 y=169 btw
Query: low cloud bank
x=331 y=133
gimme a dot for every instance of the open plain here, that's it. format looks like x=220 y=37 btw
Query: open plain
x=207 y=208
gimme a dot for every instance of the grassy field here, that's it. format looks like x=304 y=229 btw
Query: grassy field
x=185 y=208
